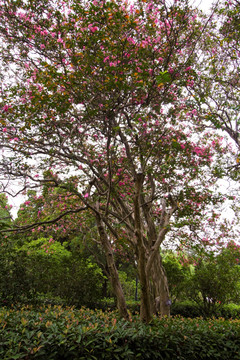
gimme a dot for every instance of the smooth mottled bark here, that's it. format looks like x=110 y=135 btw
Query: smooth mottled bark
x=160 y=288
x=113 y=273
x=145 y=309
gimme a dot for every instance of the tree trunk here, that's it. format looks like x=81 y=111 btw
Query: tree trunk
x=161 y=297
x=145 y=308
x=113 y=273
x=136 y=289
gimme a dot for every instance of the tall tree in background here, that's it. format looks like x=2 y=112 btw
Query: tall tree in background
x=217 y=80
x=98 y=90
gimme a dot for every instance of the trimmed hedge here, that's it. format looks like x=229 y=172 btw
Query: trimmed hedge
x=55 y=333
x=185 y=309
x=191 y=310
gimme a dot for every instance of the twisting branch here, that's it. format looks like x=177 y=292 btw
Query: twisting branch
x=25 y=228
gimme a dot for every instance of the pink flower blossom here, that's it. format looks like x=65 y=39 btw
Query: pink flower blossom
x=198 y=150
x=6 y=107
x=94 y=28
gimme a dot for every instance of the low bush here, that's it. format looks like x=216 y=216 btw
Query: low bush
x=230 y=311
x=109 y=304
x=55 y=333
x=188 y=309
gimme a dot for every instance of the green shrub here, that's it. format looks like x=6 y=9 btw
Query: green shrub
x=186 y=309
x=189 y=309
x=55 y=333
x=14 y=280
x=230 y=311
x=128 y=285
x=109 y=304
x=80 y=282
x=215 y=281
x=177 y=275
x=43 y=271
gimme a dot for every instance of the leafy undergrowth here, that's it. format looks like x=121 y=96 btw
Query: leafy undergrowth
x=68 y=334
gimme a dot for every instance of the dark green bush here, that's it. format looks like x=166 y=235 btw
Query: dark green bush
x=30 y=275
x=14 y=280
x=110 y=304
x=230 y=311
x=191 y=310
x=215 y=280
x=177 y=275
x=186 y=309
x=55 y=333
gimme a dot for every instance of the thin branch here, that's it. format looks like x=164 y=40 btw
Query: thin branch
x=32 y=226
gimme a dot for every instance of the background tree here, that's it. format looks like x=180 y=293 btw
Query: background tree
x=178 y=275
x=5 y=212
x=219 y=79
x=12 y=267
x=215 y=281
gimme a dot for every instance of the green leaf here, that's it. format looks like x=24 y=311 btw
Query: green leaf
x=163 y=78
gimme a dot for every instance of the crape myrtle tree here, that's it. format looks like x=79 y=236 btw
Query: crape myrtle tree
x=216 y=89
x=98 y=90
x=220 y=79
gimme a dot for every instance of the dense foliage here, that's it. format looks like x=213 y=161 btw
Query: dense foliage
x=56 y=333
x=42 y=271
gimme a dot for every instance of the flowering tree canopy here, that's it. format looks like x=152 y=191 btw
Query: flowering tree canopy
x=95 y=102
x=219 y=63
